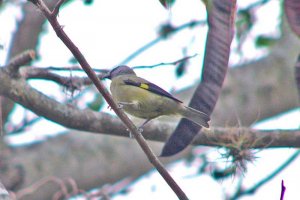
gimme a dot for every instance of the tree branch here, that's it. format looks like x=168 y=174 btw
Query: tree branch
x=70 y=116
x=171 y=30
x=52 y=18
x=176 y=62
x=76 y=82
x=72 y=83
x=19 y=60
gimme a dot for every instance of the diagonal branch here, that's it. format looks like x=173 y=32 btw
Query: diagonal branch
x=52 y=18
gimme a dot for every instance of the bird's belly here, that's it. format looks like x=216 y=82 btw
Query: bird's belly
x=144 y=104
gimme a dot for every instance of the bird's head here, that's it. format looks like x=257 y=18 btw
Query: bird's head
x=118 y=71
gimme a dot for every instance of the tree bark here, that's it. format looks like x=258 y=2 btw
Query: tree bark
x=26 y=36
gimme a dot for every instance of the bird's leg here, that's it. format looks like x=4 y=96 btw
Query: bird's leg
x=140 y=128
x=122 y=104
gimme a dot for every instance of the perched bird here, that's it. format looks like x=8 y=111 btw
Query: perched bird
x=146 y=100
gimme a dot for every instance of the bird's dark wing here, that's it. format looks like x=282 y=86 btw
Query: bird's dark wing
x=146 y=85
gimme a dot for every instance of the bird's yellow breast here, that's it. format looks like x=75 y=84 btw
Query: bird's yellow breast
x=145 y=104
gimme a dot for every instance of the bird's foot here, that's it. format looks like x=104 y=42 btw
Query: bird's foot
x=140 y=129
x=122 y=104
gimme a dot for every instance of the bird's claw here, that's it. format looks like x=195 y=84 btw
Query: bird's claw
x=120 y=105
x=140 y=129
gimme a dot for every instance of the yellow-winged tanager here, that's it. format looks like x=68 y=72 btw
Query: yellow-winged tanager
x=146 y=100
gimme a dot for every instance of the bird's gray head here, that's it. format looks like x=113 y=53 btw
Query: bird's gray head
x=120 y=70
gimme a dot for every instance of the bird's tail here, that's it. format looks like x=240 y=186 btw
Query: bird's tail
x=195 y=115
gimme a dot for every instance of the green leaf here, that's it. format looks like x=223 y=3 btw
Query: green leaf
x=264 y=41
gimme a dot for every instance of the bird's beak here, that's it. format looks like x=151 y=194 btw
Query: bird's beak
x=106 y=75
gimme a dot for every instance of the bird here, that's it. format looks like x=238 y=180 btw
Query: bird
x=143 y=99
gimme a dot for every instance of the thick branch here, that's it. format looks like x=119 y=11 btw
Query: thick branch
x=87 y=120
x=29 y=27
x=19 y=60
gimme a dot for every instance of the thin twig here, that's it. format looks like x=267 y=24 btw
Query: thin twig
x=37 y=185
x=34 y=72
x=160 y=38
x=15 y=129
x=297 y=76
x=101 y=88
x=72 y=83
x=56 y=7
x=72 y=68
x=166 y=63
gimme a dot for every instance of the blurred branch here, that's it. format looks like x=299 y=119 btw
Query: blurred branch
x=297 y=75
x=166 y=63
x=4 y=195
x=76 y=82
x=36 y=186
x=26 y=123
x=291 y=8
x=71 y=68
x=52 y=18
x=29 y=27
x=256 y=4
x=72 y=83
x=245 y=101
x=221 y=18
x=163 y=34
x=72 y=117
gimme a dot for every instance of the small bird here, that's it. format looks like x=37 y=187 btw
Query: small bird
x=146 y=100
